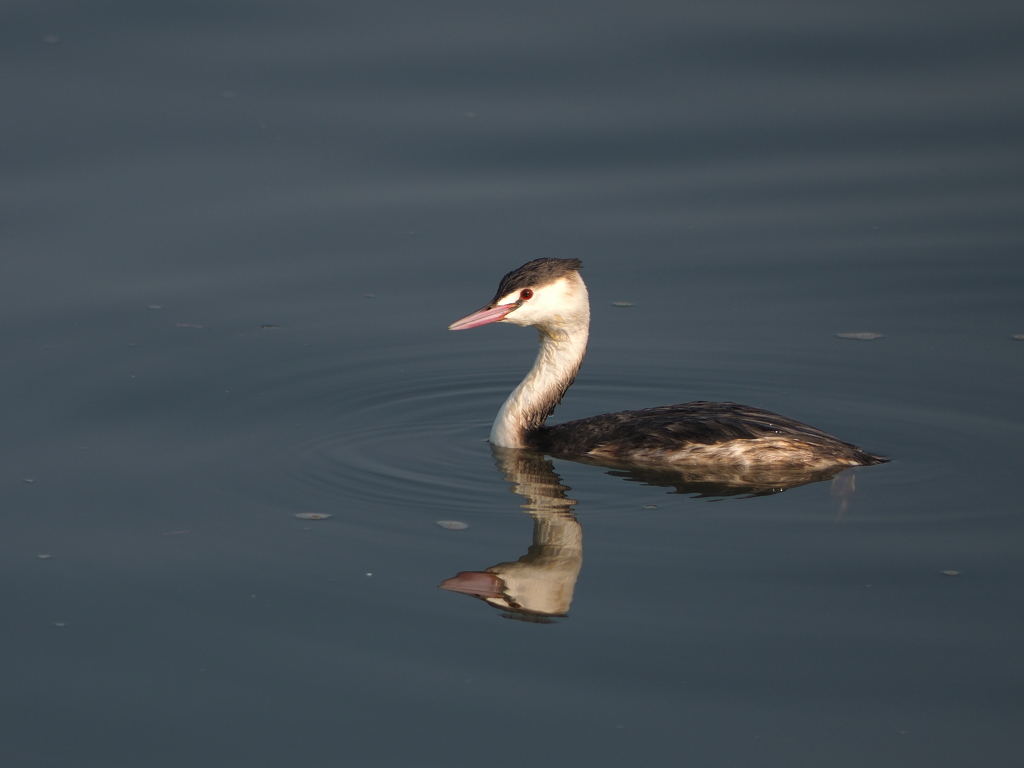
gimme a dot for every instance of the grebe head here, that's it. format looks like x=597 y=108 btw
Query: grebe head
x=546 y=293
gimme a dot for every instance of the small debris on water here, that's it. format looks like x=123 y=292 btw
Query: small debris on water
x=154 y=306
x=951 y=573
x=312 y=515
x=269 y=326
x=860 y=335
x=1019 y=336
x=369 y=574
x=186 y=325
x=28 y=480
x=650 y=506
x=622 y=303
x=452 y=525
x=60 y=624
x=44 y=557
x=369 y=295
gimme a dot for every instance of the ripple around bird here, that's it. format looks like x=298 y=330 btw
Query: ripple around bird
x=413 y=434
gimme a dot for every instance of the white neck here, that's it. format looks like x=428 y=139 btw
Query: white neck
x=563 y=343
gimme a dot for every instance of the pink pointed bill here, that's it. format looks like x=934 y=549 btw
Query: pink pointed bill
x=476 y=583
x=482 y=317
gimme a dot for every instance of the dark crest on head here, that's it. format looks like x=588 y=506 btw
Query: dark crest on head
x=534 y=274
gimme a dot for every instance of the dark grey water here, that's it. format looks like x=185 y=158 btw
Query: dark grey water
x=232 y=237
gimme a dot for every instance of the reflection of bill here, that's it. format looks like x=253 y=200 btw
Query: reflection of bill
x=539 y=585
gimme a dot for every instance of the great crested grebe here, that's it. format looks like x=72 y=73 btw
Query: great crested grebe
x=549 y=294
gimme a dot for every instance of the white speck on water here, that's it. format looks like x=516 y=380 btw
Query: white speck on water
x=650 y=506
x=369 y=574
x=860 y=335
x=28 y=480
x=1019 y=336
x=312 y=515
x=622 y=303
x=60 y=624
x=44 y=557
x=452 y=525
x=951 y=573
x=154 y=306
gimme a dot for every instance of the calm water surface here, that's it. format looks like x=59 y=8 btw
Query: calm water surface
x=233 y=235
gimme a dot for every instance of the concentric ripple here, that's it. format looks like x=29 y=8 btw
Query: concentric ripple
x=407 y=428
x=403 y=434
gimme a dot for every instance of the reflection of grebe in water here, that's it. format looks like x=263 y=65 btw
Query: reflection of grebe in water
x=724 y=439
x=539 y=585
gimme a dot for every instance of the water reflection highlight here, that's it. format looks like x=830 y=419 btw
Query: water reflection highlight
x=539 y=586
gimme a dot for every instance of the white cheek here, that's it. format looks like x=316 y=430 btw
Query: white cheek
x=545 y=305
x=518 y=317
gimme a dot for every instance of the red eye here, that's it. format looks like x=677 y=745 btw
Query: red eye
x=525 y=294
